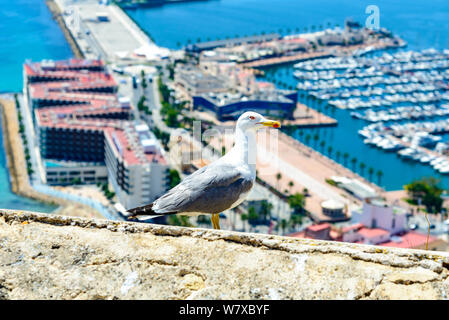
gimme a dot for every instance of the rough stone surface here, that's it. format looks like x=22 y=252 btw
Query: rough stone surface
x=56 y=257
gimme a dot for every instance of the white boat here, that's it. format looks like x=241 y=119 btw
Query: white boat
x=444 y=170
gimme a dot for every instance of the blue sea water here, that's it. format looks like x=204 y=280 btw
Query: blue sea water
x=9 y=200
x=27 y=31
x=422 y=23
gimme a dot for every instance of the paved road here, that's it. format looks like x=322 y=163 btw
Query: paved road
x=420 y=220
x=33 y=145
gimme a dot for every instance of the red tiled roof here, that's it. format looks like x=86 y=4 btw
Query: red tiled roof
x=352 y=227
x=128 y=154
x=71 y=117
x=300 y=234
x=372 y=232
x=61 y=65
x=295 y=40
x=319 y=227
x=410 y=239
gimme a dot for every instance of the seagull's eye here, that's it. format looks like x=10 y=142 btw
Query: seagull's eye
x=251 y=117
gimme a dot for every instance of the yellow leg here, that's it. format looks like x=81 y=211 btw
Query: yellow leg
x=215 y=218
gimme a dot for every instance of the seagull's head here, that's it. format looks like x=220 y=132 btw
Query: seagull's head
x=253 y=121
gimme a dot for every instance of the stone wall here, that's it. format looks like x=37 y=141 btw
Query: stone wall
x=56 y=257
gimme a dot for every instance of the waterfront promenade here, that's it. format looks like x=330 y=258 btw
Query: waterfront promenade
x=306 y=117
x=269 y=62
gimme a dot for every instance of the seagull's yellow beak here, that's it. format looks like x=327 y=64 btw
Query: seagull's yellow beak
x=271 y=123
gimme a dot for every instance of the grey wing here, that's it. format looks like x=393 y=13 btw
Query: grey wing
x=211 y=189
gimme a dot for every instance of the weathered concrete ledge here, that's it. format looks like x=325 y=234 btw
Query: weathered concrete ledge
x=56 y=257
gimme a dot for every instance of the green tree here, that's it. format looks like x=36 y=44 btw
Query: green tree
x=141 y=104
x=315 y=138
x=329 y=150
x=177 y=220
x=370 y=173
x=337 y=155
x=253 y=216
x=283 y=225
x=345 y=158
x=379 y=175
x=173 y=178
x=265 y=209
x=353 y=162
x=172 y=118
x=307 y=138
x=426 y=192
x=290 y=185
x=297 y=202
x=362 y=166
x=322 y=144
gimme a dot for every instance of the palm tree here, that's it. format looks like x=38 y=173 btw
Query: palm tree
x=329 y=151
x=379 y=174
x=307 y=138
x=337 y=155
x=315 y=138
x=265 y=209
x=370 y=173
x=297 y=202
x=283 y=225
x=322 y=144
x=362 y=167
x=305 y=192
x=345 y=157
x=353 y=162
x=290 y=186
x=295 y=220
x=278 y=178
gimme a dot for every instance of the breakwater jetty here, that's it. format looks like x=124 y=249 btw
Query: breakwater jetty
x=57 y=16
x=103 y=31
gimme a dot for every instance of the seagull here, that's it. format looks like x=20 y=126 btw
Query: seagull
x=219 y=186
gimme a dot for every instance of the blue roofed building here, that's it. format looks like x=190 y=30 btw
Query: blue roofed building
x=229 y=106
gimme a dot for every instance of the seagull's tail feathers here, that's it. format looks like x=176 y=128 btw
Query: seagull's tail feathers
x=146 y=210
x=144 y=213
